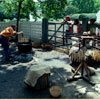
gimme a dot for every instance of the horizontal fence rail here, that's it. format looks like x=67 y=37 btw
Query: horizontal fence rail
x=57 y=30
x=32 y=30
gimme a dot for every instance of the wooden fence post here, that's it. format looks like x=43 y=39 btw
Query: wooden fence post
x=84 y=25
x=55 y=35
x=45 y=30
x=63 y=36
x=18 y=17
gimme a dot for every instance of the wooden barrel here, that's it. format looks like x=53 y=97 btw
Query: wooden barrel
x=42 y=82
x=38 y=76
x=24 y=47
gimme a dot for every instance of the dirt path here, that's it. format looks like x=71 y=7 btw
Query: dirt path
x=12 y=75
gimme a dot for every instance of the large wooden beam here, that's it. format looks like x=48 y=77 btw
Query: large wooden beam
x=45 y=30
x=18 y=17
x=84 y=25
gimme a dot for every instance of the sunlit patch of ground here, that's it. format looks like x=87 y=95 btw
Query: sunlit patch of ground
x=12 y=76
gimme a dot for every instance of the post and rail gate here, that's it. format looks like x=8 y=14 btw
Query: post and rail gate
x=56 y=33
x=46 y=31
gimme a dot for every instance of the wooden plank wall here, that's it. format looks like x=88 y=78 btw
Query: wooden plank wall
x=32 y=30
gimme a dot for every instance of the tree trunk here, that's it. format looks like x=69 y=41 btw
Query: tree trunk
x=18 y=17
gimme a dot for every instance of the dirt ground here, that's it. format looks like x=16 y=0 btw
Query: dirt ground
x=12 y=76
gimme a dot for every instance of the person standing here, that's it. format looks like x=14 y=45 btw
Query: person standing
x=67 y=22
x=78 y=27
x=92 y=29
x=4 y=39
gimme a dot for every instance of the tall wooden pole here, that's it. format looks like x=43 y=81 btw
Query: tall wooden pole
x=44 y=30
x=18 y=17
x=84 y=25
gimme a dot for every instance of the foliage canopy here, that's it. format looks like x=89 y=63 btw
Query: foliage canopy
x=54 y=9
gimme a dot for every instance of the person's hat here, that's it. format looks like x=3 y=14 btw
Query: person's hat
x=68 y=17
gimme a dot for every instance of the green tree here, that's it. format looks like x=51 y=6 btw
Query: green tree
x=97 y=5
x=2 y=15
x=85 y=6
x=53 y=8
x=71 y=10
x=28 y=6
x=11 y=8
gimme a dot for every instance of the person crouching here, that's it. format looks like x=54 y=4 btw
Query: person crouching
x=4 y=39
